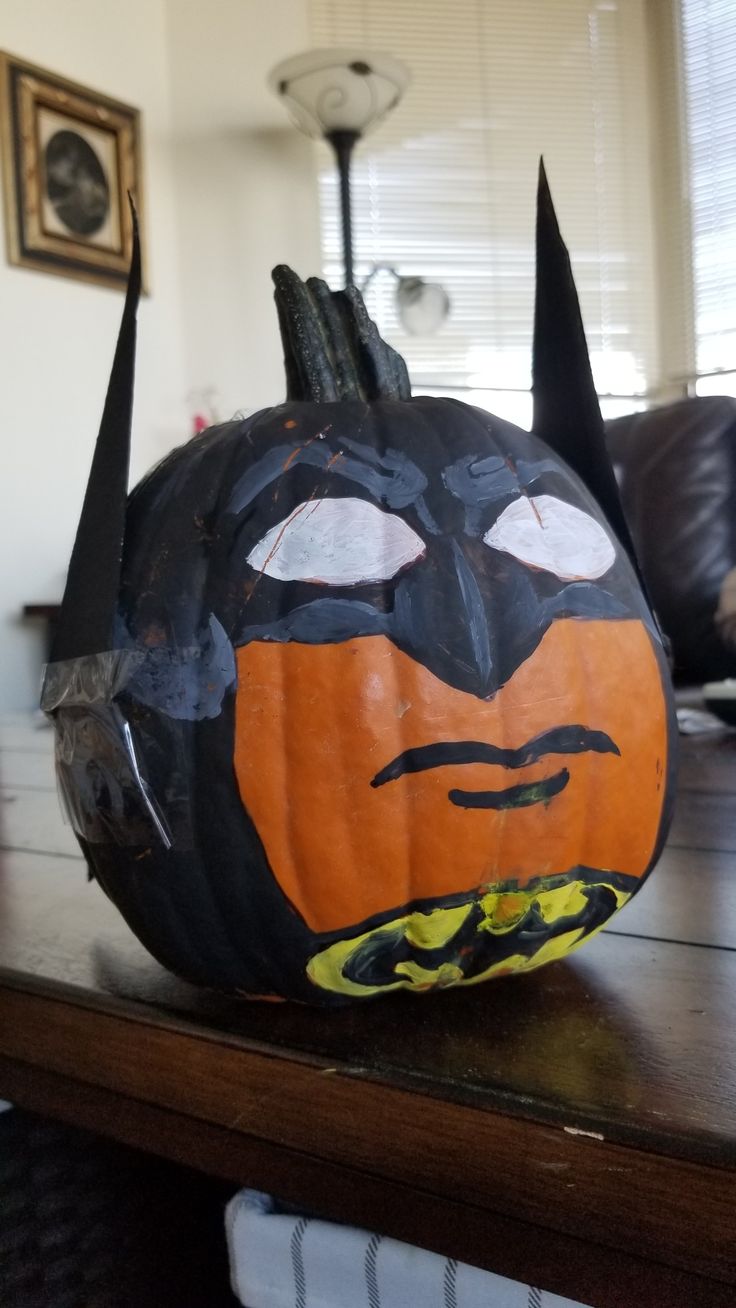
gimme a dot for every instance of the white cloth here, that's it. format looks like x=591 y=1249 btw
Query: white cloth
x=278 y=1260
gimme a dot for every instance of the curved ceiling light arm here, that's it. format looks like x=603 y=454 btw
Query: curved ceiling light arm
x=378 y=268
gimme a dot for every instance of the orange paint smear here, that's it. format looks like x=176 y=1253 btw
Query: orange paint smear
x=295 y=453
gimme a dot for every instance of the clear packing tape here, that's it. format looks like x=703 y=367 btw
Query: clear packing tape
x=103 y=791
x=124 y=723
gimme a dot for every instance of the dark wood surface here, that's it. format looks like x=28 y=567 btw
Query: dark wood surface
x=49 y=615
x=575 y=1127
x=49 y=611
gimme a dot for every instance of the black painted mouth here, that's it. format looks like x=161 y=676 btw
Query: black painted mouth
x=574 y=739
x=533 y=792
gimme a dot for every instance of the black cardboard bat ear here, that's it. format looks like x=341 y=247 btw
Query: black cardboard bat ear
x=567 y=415
x=91 y=594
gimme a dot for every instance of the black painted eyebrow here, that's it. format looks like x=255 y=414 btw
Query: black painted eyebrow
x=396 y=481
x=572 y=739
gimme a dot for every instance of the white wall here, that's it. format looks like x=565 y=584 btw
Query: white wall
x=247 y=191
x=229 y=191
x=251 y=203
x=57 y=336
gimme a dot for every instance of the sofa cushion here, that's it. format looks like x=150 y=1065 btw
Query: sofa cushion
x=676 y=467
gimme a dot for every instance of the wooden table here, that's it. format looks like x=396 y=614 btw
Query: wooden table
x=48 y=614
x=575 y=1127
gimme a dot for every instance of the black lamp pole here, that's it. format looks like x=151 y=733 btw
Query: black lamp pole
x=343 y=144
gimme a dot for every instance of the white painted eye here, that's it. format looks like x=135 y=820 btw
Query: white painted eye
x=547 y=533
x=339 y=542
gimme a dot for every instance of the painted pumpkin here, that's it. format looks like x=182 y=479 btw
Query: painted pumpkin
x=375 y=700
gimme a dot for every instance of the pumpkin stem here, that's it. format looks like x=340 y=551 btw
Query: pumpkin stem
x=332 y=349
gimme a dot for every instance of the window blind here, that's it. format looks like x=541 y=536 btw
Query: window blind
x=445 y=188
x=709 y=63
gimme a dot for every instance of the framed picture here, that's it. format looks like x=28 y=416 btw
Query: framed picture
x=70 y=157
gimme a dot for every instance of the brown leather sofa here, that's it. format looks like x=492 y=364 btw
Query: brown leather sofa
x=676 y=467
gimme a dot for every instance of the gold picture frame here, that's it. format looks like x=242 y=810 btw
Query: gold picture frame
x=70 y=157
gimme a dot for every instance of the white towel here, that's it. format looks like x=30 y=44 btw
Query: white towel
x=278 y=1260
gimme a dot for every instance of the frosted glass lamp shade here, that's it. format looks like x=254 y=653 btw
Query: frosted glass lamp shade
x=328 y=91
x=423 y=306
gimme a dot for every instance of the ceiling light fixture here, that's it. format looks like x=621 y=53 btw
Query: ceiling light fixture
x=340 y=95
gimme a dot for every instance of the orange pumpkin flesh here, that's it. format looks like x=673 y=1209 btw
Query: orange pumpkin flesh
x=314 y=724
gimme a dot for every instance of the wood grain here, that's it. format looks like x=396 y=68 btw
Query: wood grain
x=576 y=1126
x=627 y=1036
x=32 y=819
x=708 y=764
x=690 y=897
x=606 y=1277
x=27 y=768
x=29 y=733
x=704 y=820
x=488 y=1159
